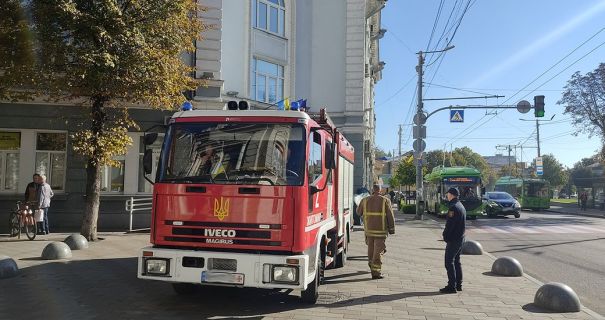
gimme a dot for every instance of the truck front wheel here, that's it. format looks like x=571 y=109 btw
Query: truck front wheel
x=184 y=288
x=311 y=294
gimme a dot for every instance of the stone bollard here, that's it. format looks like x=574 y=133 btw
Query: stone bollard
x=55 y=251
x=76 y=242
x=472 y=247
x=507 y=266
x=8 y=267
x=557 y=297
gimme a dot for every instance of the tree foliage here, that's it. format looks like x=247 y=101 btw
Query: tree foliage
x=464 y=156
x=406 y=172
x=554 y=172
x=108 y=55
x=512 y=171
x=584 y=101
x=16 y=54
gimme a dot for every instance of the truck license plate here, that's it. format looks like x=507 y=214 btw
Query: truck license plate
x=222 y=277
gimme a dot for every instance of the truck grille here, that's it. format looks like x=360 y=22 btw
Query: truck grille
x=222 y=264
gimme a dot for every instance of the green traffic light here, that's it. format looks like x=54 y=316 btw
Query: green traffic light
x=539 y=106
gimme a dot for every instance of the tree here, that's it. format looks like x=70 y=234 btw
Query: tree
x=584 y=101
x=511 y=170
x=16 y=55
x=406 y=172
x=379 y=153
x=111 y=54
x=554 y=172
x=460 y=157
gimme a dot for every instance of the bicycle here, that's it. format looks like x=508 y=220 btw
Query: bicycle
x=22 y=219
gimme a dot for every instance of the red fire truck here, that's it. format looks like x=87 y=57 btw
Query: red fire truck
x=249 y=198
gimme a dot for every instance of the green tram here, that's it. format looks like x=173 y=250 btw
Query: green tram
x=533 y=194
x=466 y=180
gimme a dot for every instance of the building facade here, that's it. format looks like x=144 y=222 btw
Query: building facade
x=261 y=51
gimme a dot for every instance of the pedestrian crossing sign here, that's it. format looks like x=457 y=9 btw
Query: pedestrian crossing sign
x=456 y=115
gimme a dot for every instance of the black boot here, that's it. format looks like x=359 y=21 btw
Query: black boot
x=447 y=289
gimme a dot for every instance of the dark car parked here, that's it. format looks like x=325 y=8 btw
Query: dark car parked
x=501 y=204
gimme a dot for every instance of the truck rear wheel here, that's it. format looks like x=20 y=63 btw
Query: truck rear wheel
x=341 y=258
x=184 y=288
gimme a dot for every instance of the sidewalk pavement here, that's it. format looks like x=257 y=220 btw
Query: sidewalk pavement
x=100 y=283
x=572 y=208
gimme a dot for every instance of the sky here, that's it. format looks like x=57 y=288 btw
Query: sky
x=512 y=48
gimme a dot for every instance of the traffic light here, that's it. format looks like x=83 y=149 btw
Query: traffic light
x=539 y=106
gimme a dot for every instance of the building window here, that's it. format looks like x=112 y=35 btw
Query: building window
x=112 y=178
x=51 y=150
x=269 y=15
x=267 y=81
x=10 y=143
x=144 y=185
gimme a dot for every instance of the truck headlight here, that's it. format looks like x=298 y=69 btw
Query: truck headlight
x=285 y=274
x=158 y=267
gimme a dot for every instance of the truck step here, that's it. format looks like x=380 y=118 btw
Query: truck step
x=329 y=260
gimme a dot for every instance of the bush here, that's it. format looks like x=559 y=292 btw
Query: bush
x=408 y=209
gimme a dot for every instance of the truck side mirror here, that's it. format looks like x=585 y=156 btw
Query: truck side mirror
x=147 y=160
x=329 y=156
x=483 y=190
x=150 y=138
x=313 y=190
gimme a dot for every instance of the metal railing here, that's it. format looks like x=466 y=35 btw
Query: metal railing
x=137 y=204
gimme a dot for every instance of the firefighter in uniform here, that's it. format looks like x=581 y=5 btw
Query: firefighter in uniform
x=378 y=222
x=453 y=235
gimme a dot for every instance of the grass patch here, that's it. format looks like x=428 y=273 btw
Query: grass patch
x=564 y=200
x=408 y=209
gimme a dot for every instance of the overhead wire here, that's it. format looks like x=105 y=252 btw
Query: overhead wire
x=543 y=73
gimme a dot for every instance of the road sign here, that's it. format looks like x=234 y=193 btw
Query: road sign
x=456 y=115
x=539 y=162
x=419 y=132
x=419 y=148
x=540 y=170
x=419 y=118
x=523 y=106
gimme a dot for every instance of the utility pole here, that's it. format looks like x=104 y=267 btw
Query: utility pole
x=400 y=133
x=538 y=130
x=509 y=148
x=419 y=144
x=418 y=150
x=538 y=135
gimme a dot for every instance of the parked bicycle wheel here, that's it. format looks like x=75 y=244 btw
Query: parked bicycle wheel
x=13 y=224
x=31 y=228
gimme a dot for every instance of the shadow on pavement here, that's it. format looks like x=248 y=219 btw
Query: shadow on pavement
x=109 y=288
x=358 y=258
x=530 y=307
x=546 y=245
x=383 y=298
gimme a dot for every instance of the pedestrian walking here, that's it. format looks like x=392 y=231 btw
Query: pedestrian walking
x=378 y=222
x=453 y=235
x=46 y=193
x=583 y=200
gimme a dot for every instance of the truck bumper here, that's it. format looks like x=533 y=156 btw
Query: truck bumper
x=224 y=268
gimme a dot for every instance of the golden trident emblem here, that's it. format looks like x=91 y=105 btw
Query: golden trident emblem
x=221 y=209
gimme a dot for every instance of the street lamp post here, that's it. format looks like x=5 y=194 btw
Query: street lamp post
x=418 y=148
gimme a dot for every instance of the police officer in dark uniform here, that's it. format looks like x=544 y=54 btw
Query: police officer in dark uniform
x=453 y=235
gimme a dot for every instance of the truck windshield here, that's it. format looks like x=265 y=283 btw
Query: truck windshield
x=233 y=153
